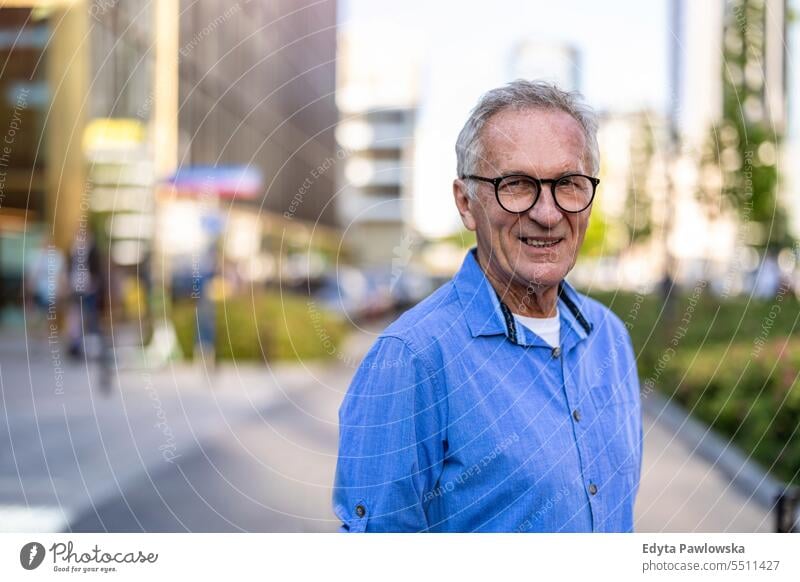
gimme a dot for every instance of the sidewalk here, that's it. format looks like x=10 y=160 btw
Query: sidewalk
x=66 y=448
x=682 y=492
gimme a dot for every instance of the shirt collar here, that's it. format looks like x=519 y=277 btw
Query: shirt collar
x=486 y=315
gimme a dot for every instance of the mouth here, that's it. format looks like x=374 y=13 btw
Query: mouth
x=540 y=242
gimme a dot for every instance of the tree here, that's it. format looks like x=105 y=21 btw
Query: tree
x=741 y=156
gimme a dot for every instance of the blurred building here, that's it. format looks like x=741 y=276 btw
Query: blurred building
x=374 y=200
x=708 y=28
x=733 y=71
x=105 y=102
x=42 y=111
x=662 y=174
x=256 y=96
x=257 y=82
x=377 y=98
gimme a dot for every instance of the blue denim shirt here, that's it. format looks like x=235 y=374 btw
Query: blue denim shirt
x=460 y=419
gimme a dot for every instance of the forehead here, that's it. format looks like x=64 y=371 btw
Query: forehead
x=533 y=141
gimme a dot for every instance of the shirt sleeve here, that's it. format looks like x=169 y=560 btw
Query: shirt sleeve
x=391 y=442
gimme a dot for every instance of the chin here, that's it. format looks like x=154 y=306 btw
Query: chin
x=542 y=277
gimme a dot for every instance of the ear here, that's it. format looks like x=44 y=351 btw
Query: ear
x=463 y=203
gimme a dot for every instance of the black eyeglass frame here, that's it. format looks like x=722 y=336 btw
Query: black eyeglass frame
x=539 y=182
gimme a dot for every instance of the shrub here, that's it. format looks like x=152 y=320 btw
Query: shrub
x=270 y=326
x=735 y=365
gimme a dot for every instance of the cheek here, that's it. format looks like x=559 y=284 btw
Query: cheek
x=501 y=227
x=579 y=229
x=492 y=223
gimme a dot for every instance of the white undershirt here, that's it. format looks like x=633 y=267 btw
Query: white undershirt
x=547 y=328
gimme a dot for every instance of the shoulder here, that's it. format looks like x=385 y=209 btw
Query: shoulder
x=401 y=369
x=423 y=326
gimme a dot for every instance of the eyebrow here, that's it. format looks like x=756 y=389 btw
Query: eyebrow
x=524 y=173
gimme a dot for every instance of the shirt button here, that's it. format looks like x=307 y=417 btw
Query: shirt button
x=592 y=488
x=360 y=511
x=556 y=352
x=576 y=414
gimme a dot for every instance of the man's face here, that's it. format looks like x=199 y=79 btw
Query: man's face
x=543 y=144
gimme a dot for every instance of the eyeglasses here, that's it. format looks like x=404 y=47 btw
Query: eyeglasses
x=518 y=193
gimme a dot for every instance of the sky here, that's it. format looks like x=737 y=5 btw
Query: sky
x=463 y=49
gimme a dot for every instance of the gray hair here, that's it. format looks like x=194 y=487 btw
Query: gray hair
x=520 y=95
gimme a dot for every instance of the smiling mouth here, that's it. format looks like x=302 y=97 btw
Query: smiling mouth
x=540 y=242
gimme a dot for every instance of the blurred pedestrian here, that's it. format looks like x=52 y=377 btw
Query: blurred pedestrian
x=205 y=340
x=86 y=284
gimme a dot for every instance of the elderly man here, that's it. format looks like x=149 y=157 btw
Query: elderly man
x=506 y=401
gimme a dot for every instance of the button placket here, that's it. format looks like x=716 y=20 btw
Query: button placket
x=579 y=430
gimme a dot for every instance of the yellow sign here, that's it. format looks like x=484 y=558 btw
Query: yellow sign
x=109 y=134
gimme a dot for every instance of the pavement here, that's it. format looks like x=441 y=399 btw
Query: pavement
x=68 y=448
x=245 y=448
x=681 y=491
x=271 y=471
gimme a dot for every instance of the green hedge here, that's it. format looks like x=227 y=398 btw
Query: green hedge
x=268 y=327
x=733 y=363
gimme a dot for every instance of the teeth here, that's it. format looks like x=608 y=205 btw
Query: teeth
x=539 y=243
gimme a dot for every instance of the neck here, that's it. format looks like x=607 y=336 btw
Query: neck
x=528 y=301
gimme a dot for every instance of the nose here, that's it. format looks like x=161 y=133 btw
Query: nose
x=545 y=212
